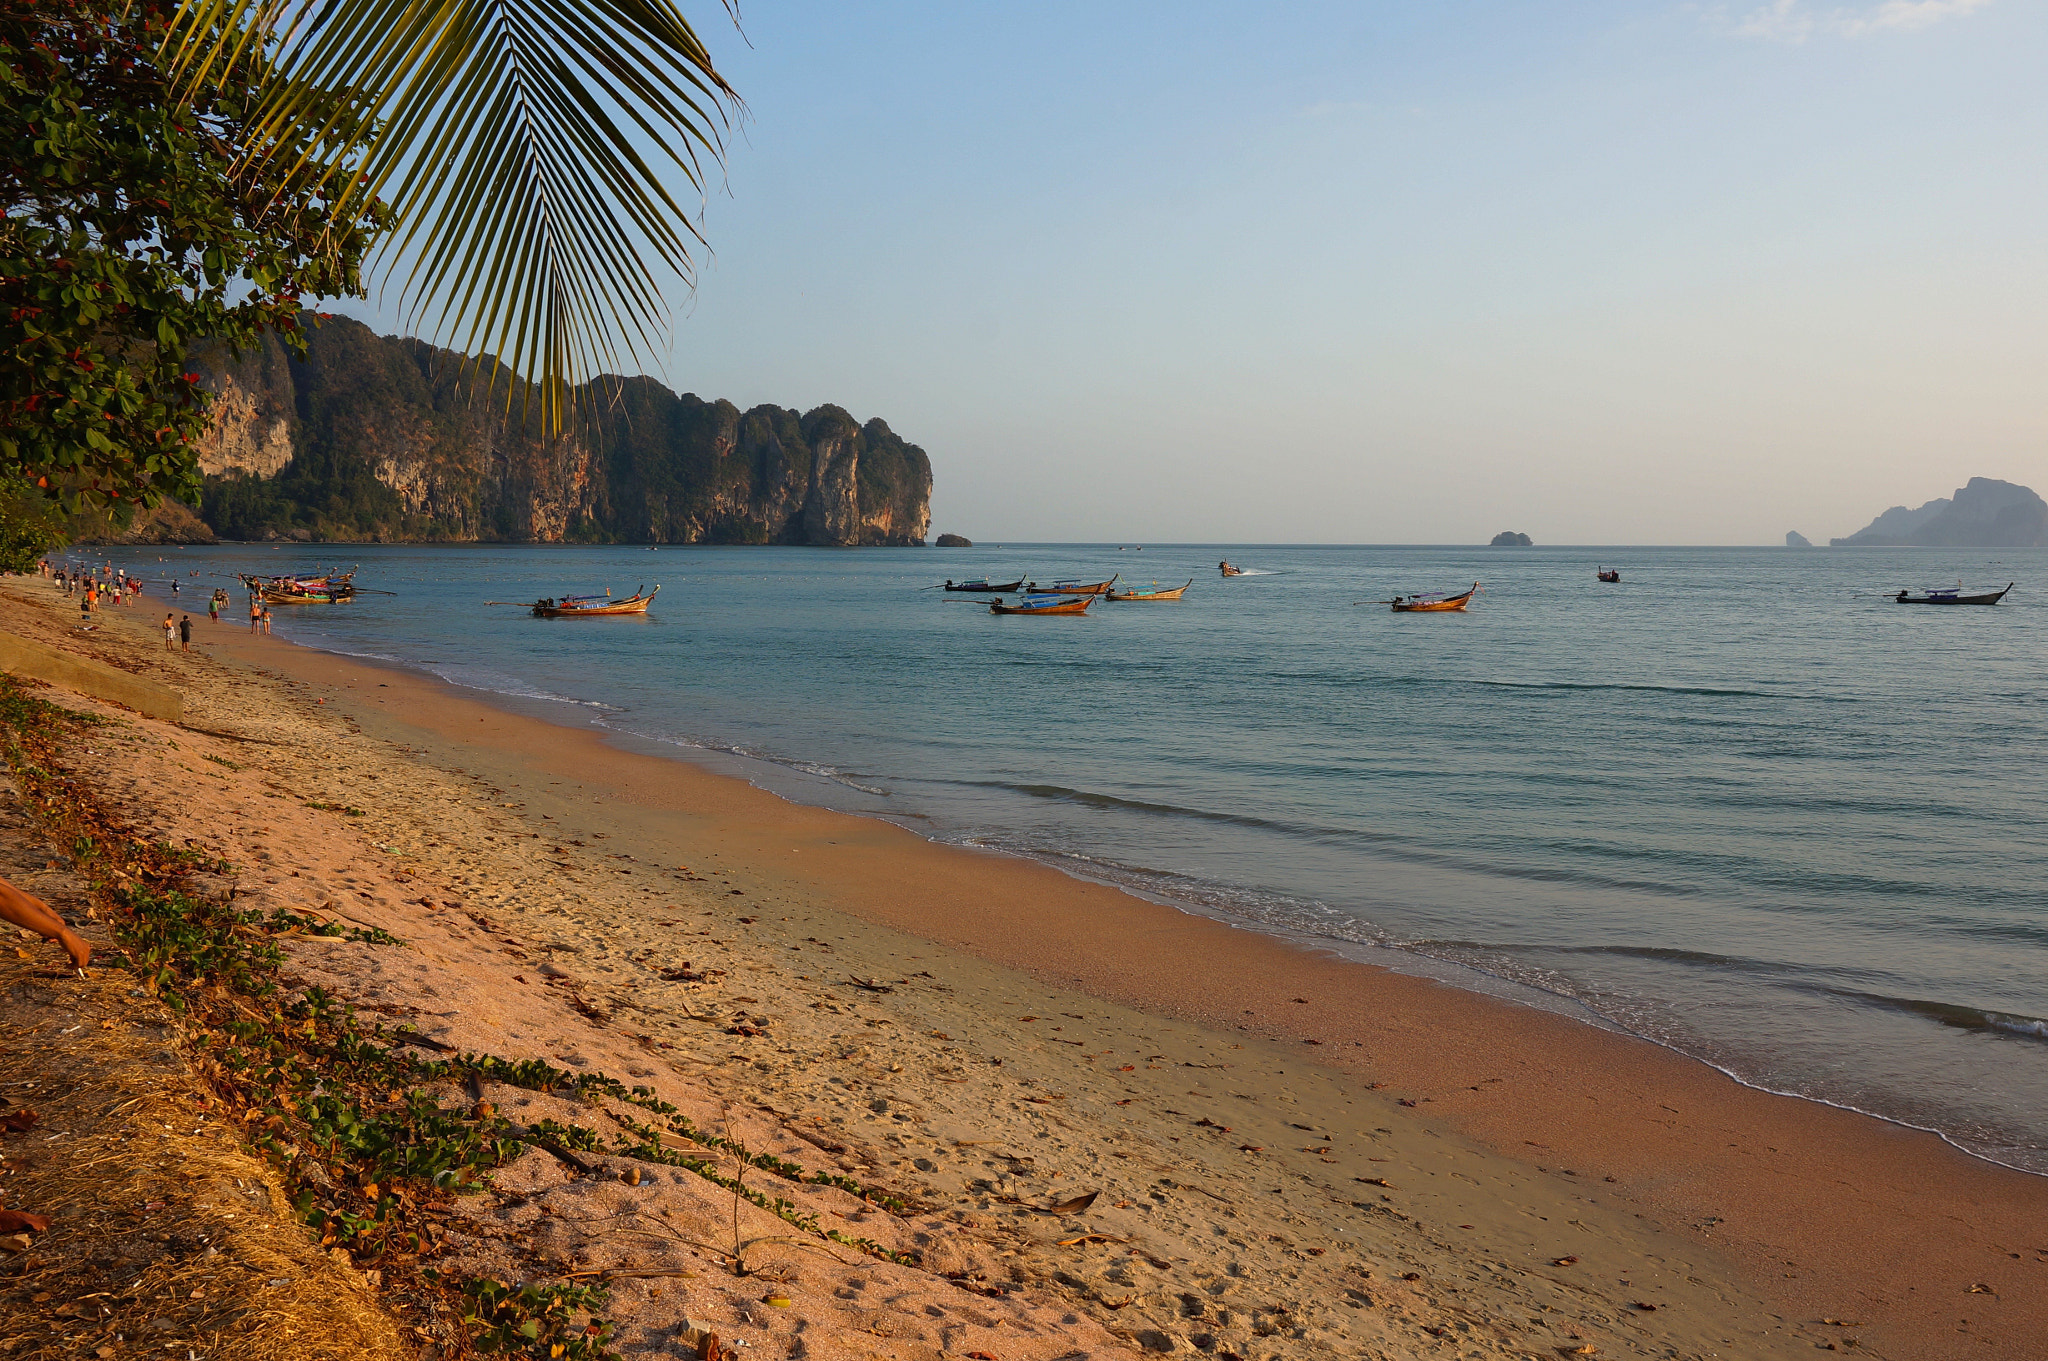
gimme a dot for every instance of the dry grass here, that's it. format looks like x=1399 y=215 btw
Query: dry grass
x=166 y=1237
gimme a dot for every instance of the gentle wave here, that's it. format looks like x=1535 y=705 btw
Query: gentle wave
x=1089 y=799
x=820 y=770
x=1957 y=1015
x=1616 y=685
x=490 y=683
x=1403 y=846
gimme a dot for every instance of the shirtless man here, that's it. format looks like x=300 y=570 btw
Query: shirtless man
x=24 y=910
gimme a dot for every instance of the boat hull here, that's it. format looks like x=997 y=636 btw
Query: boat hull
x=1981 y=598
x=592 y=612
x=297 y=598
x=1076 y=605
x=1071 y=588
x=637 y=603
x=1173 y=594
x=1448 y=605
x=987 y=587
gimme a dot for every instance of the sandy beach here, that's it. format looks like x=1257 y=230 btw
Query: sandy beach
x=1288 y=1153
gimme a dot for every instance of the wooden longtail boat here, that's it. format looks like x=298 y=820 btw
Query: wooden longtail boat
x=1227 y=570
x=290 y=590
x=985 y=586
x=1044 y=604
x=1608 y=573
x=1172 y=594
x=1955 y=597
x=1430 y=604
x=586 y=606
x=1070 y=587
x=279 y=596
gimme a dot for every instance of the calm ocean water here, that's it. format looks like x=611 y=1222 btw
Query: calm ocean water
x=1739 y=804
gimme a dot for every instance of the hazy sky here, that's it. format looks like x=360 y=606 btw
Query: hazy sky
x=1394 y=272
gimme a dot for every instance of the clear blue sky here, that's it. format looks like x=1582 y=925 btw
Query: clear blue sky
x=1605 y=272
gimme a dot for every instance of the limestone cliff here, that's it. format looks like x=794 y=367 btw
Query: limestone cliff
x=1986 y=513
x=392 y=439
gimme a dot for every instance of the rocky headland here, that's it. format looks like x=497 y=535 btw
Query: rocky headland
x=386 y=439
x=1985 y=513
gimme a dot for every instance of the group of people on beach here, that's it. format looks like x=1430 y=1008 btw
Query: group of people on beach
x=111 y=585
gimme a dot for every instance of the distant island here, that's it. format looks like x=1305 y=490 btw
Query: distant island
x=383 y=439
x=1508 y=538
x=1986 y=513
x=1794 y=539
x=953 y=541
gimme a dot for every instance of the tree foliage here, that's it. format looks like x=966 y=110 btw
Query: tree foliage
x=135 y=224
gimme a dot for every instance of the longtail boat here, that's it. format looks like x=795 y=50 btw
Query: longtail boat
x=1173 y=593
x=1608 y=573
x=1070 y=587
x=1227 y=570
x=985 y=586
x=1432 y=603
x=1954 y=597
x=296 y=590
x=1044 y=604
x=586 y=606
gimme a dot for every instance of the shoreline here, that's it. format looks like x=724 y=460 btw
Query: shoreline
x=736 y=763
x=1923 y=1224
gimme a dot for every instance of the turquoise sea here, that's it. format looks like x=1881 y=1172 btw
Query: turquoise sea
x=1740 y=804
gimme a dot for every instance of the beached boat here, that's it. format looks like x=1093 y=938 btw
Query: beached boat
x=586 y=606
x=1044 y=604
x=1954 y=597
x=1608 y=573
x=317 y=596
x=1432 y=603
x=1172 y=593
x=294 y=590
x=1070 y=587
x=984 y=586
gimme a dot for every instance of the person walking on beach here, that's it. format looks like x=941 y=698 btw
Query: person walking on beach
x=255 y=613
x=266 y=621
x=169 y=629
x=185 y=632
x=33 y=914
x=213 y=608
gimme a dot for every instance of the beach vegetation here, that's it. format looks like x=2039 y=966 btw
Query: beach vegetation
x=358 y=1126
x=31 y=524
x=538 y=1319
x=137 y=223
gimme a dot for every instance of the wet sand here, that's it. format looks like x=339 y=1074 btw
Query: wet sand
x=1509 y=1138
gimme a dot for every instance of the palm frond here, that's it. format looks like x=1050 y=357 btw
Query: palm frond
x=506 y=137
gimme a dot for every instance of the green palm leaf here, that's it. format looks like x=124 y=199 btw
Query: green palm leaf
x=505 y=135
